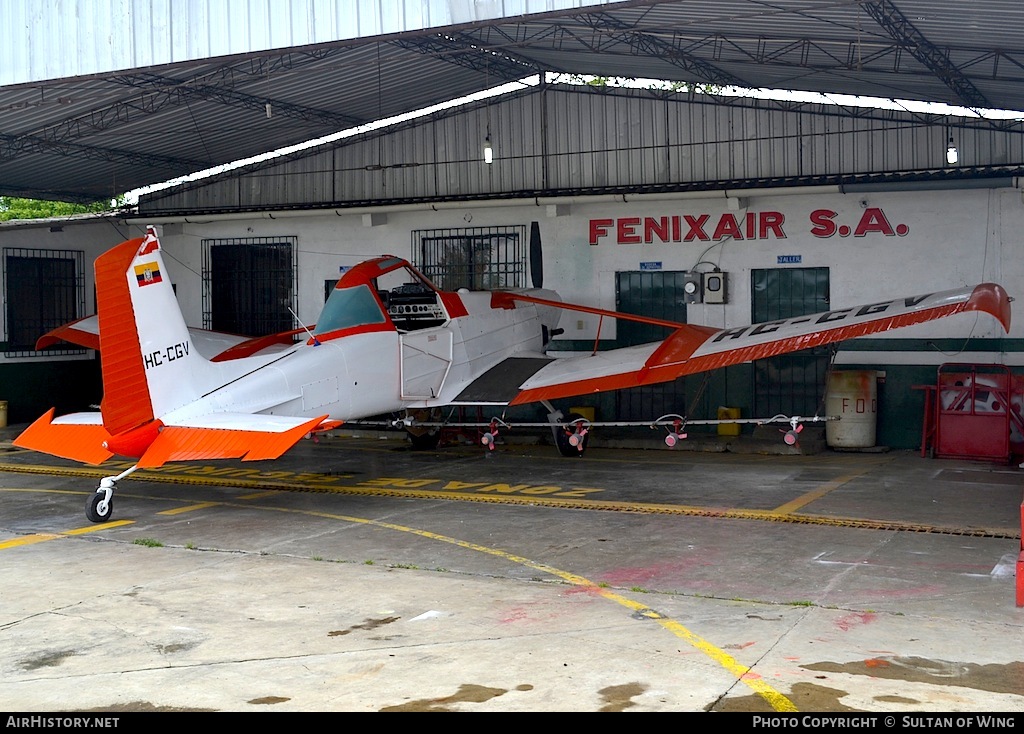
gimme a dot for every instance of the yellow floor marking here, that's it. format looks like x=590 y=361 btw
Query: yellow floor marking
x=100 y=526
x=752 y=680
x=41 y=537
x=45 y=490
x=809 y=497
x=259 y=495
x=745 y=675
x=28 y=540
x=189 y=508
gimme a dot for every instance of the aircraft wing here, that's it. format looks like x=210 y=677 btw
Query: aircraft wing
x=690 y=349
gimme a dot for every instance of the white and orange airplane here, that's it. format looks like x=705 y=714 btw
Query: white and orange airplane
x=388 y=340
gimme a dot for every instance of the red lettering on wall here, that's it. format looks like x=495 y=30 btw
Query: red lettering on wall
x=669 y=228
x=822 y=224
x=626 y=231
x=728 y=227
x=772 y=222
x=599 y=228
x=696 y=225
x=873 y=220
x=655 y=227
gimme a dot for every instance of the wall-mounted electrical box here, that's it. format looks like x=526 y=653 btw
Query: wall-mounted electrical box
x=693 y=287
x=714 y=286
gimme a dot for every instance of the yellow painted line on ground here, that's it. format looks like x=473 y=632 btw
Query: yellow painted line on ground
x=827 y=487
x=785 y=514
x=809 y=497
x=745 y=675
x=99 y=526
x=46 y=490
x=28 y=540
x=189 y=508
x=42 y=537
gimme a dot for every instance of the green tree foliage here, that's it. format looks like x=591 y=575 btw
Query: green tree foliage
x=608 y=82
x=12 y=207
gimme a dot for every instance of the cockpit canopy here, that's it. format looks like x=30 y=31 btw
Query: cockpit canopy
x=349 y=307
x=385 y=290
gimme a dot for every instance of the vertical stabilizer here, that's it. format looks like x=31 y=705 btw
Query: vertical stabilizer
x=150 y=365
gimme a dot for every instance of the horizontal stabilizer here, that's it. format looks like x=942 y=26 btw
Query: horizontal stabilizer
x=228 y=436
x=214 y=345
x=81 y=437
x=76 y=436
x=83 y=332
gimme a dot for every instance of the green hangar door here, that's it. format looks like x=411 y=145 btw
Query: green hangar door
x=792 y=384
x=656 y=294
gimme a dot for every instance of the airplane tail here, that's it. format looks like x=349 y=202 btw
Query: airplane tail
x=150 y=368
x=141 y=328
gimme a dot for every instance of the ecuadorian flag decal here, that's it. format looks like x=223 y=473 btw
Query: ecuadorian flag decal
x=147 y=273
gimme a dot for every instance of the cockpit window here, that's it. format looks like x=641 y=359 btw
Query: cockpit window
x=348 y=307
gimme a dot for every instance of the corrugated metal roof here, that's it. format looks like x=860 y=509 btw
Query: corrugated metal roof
x=90 y=137
x=51 y=39
x=566 y=141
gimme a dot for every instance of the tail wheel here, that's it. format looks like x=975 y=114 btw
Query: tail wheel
x=572 y=440
x=98 y=508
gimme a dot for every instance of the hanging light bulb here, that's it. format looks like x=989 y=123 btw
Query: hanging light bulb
x=488 y=152
x=951 y=155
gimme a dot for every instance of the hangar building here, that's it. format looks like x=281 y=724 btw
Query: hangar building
x=614 y=195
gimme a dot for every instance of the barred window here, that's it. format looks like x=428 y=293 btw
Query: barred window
x=249 y=285
x=45 y=289
x=477 y=258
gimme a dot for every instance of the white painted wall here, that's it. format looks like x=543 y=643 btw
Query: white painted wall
x=947 y=239
x=952 y=239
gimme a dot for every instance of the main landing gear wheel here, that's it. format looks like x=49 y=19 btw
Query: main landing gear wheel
x=572 y=439
x=425 y=441
x=99 y=506
x=424 y=438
